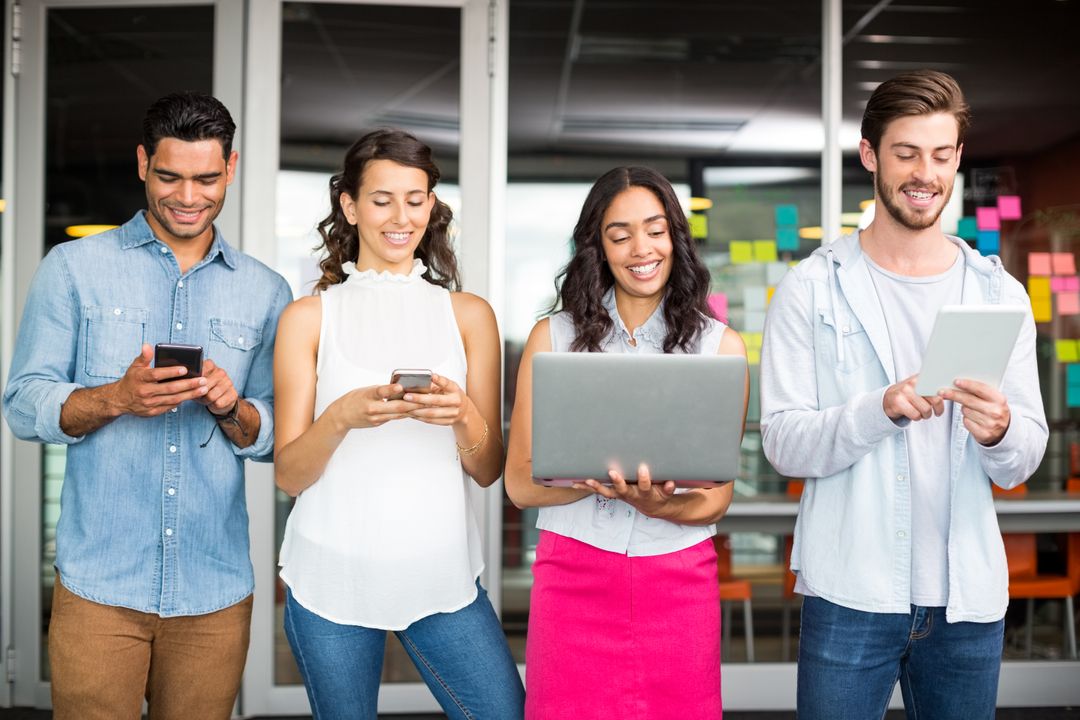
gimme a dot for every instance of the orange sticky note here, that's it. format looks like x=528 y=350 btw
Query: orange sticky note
x=1068 y=303
x=1039 y=264
x=1063 y=263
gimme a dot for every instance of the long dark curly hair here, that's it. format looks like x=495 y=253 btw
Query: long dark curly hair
x=585 y=280
x=341 y=241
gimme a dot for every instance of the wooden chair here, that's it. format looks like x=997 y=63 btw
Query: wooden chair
x=733 y=589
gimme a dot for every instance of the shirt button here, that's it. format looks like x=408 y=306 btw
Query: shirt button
x=179 y=283
x=174 y=409
x=179 y=326
x=172 y=448
x=116 y=311
x=172 y=491
x=901 y=534
x=164 y=250
x=900 y=478
x=168 y=532
x=846 y=328
x=240 y=340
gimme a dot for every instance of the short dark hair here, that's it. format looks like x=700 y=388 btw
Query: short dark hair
x=922 y=92
x=188 y=116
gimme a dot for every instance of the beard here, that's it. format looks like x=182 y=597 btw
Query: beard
x=906 y=216
x=185 y=232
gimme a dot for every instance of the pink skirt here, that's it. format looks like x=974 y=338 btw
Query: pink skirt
x=612 y=636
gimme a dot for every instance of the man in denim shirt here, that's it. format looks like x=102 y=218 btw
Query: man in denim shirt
x=154 y=582
x=897 y=548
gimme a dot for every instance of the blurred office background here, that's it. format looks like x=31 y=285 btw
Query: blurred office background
x=752 y=109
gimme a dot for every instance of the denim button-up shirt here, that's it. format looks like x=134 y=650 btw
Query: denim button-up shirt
x=149 y=520
x=825 y=366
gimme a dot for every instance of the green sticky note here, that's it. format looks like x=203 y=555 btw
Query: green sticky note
x=699 y=226
x=742 y=251
x=1067 y=351
x=967 y=228
x=765 y=251
x=787 y=215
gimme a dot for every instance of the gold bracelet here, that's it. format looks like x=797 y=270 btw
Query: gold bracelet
x=475 y=448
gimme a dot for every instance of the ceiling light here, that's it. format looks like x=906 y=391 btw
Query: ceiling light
x=80 y=231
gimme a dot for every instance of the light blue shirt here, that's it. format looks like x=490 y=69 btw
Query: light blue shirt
x=149 y=520
x=826 y=363
x=614 y=525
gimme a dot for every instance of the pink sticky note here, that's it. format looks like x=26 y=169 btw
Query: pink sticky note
x=1009 y=207
x=1039 y=264
x=1064 y=263
x=1070 y=284
x=1068 y=303
x=718 y=304
x=987 y=218
x=1059 y=284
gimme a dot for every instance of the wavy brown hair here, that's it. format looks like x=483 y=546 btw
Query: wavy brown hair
x=341 y=240
x=585 y=280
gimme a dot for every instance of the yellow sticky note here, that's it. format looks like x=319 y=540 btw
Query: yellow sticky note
x=742 y=251
x=769 y=291
x=752 y=340
x=765 y=250
x=699 y=226
x=1041 y=309
x=1038 y=288
x=1067 y=351
x=753 y=357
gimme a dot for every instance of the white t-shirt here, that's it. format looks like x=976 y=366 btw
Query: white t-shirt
x=386 y=536
x=910 y=305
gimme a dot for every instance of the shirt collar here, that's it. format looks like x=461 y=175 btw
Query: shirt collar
x=137 y=232
x=652 y=331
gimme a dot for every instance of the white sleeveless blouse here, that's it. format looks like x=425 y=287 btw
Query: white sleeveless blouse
x=386 y=536
x=614 y=525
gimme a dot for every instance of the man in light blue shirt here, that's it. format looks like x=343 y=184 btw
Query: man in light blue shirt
x=154 y=582
x=897 y=548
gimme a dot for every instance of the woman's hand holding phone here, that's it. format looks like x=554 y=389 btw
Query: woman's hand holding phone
x=372 y=406
x=445 y=404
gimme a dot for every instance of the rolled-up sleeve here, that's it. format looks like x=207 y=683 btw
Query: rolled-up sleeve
x=43 y=364
x=259 y=389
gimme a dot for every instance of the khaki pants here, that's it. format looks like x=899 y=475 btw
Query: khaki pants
x=105 y=659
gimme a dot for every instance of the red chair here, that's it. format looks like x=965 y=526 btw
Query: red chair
x=1025 y=581
x=733 y=589
x=787 y=589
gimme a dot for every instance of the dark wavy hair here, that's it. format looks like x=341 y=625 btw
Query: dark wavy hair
x=341 y=240
x=585 y=280
x=188 y=116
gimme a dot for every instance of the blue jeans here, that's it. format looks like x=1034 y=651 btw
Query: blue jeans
x=849 y=662
x=462 y=656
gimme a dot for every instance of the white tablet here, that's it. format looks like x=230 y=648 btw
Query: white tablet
x=972 y=342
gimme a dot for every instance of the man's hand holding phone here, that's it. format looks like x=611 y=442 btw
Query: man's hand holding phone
x=148 y=391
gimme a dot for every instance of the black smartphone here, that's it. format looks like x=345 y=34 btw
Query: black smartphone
x=172 y=355
x=412 y=379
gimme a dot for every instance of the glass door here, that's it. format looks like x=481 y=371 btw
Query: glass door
x=86 y=73
x=321 y=74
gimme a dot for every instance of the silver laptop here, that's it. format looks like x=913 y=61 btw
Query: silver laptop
x=679 y=414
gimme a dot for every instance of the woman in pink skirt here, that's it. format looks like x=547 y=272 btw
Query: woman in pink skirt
x=624 y=617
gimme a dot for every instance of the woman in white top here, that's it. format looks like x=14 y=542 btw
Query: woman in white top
x=624 y=617
x=382 y=535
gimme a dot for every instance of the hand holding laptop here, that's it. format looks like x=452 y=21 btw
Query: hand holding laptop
x=648 y=498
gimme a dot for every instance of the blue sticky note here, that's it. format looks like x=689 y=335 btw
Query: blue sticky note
x=967 y=228
x=787 y=215
x=1072 y=395
x=787 y=238
x=1072 y=375
x=988 y=242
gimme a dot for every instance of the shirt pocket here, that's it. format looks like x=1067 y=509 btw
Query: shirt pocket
x=232 y=347
x=114 y=336
x=858 y=350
